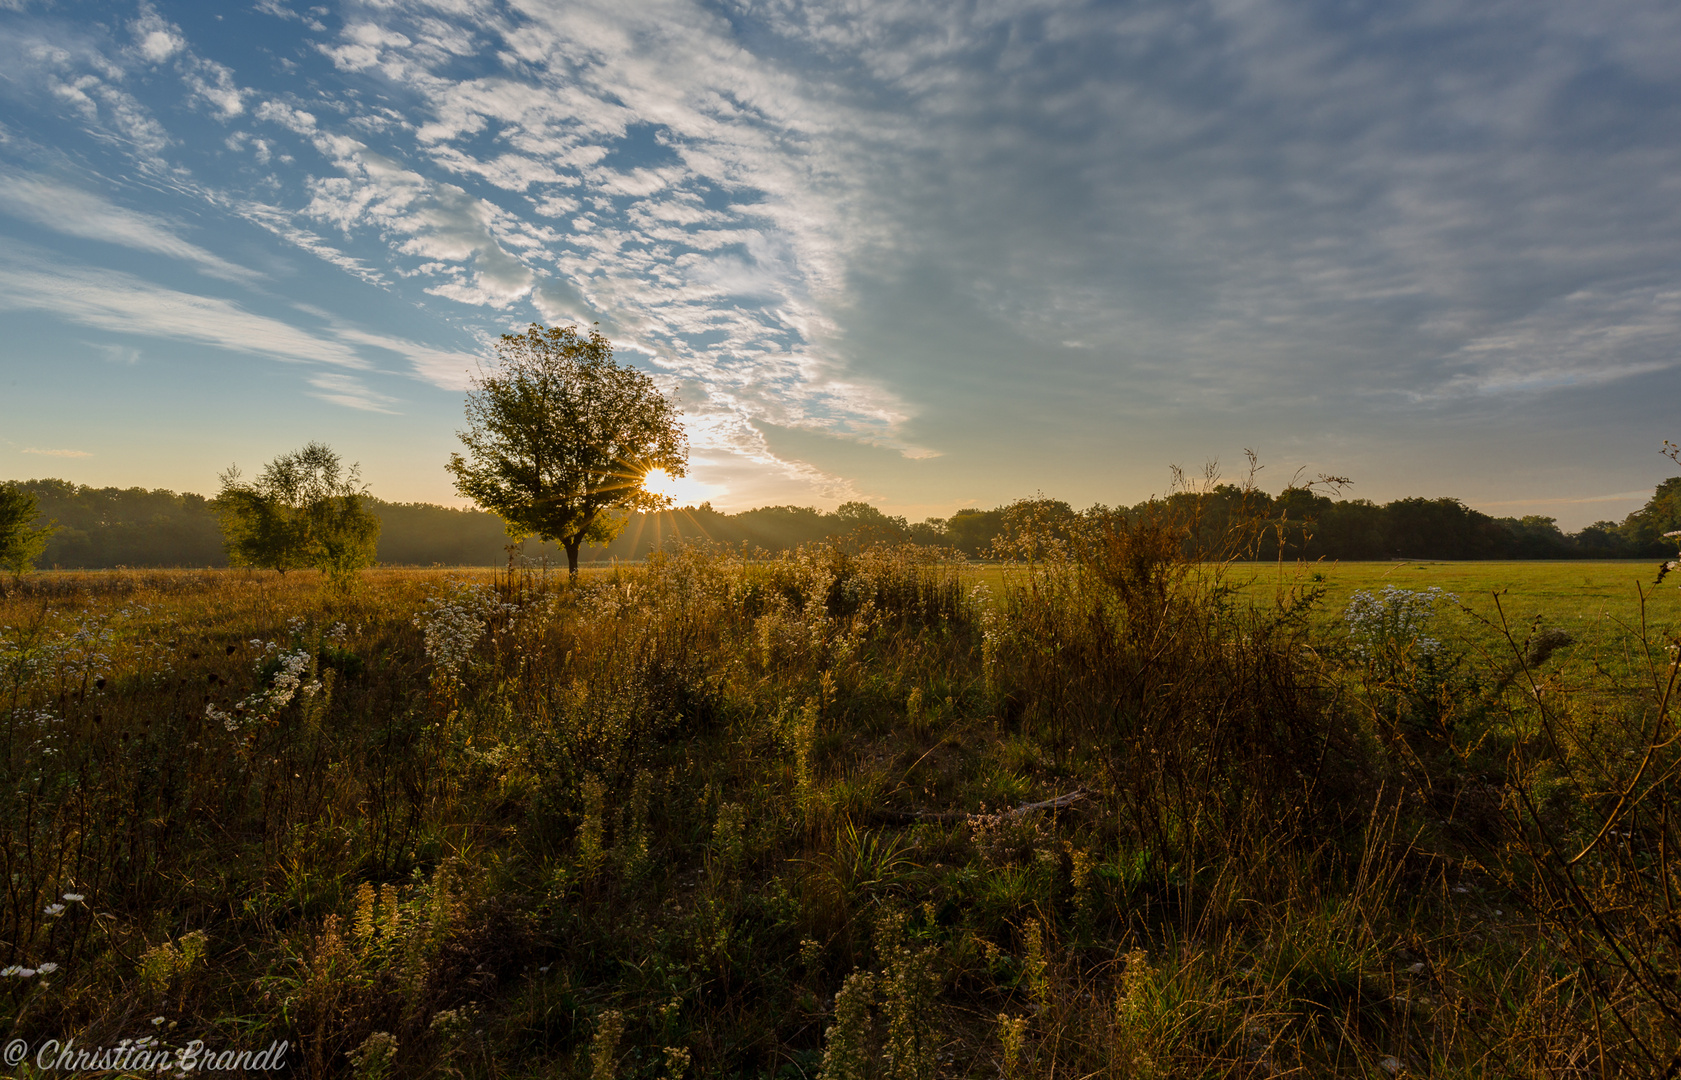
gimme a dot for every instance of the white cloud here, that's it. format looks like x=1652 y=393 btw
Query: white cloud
x=123 y=304
x=349 y=391
x=444 y=368
x=1590 y=337
x=587 y=76
x=158 y=42
x=278 y=112
x=57 y=453
x=279 y=222
x=865 y=219
x=127 y=355
x=66 y=209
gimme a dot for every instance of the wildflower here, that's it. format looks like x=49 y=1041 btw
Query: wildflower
x=74 y=897
x=49 y=967
x=1397 y=616
x=157 y=1020
x=216 y=715
x=453 y=625
x=55 y=909
x=18 y=971
x=267 y=702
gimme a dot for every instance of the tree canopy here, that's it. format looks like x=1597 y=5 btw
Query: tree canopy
x=560 y=437
x=304 y=510
x=21 y=540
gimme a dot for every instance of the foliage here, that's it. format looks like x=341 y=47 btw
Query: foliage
x=560 y=436
x=109 y=527
x=304 y=510
x=21 y=540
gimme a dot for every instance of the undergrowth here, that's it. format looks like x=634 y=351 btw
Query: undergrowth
x=835 y=814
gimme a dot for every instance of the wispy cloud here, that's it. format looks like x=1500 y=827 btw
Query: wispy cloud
x=126 y=355
x=124 y=304
x=281 y=224
x=62 y=207
x=349 y=391
x=57 y=453
x=1618 y=497
x=929 y=227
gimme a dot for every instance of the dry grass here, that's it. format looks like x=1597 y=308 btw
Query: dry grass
x=654 y=822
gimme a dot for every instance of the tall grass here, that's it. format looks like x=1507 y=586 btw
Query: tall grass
x=830 y=813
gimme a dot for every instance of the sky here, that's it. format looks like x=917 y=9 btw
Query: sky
x=924 y=254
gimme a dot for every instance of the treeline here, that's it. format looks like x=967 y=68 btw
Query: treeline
x=109 y=527
x=100 y=528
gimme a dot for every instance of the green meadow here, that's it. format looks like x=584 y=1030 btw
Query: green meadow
x=1599 y=600
x=1601 y=605
x=1563 y=591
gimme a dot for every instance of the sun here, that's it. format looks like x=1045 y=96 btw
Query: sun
x=659 y=482
x=679 y=489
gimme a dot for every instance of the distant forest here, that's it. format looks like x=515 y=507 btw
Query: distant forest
x=110 y=527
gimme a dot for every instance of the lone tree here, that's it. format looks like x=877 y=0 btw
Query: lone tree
x=560 y=436
x=304 y=510
x=21 y=540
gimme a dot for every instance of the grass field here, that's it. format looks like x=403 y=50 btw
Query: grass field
x=842 y=814
x=1594 y=600
x=1600 y=605
x=1562 y=592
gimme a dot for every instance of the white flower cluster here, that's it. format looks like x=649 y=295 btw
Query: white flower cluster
x=56 y=909
x=288 y=682
x=1394 y=617
x=50 y=726
x=453 y=622
x=266 y=702
x=18 y=971
x=80 y=653
x=84 y=650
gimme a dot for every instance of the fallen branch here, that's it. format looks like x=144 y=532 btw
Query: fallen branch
x=954 y=816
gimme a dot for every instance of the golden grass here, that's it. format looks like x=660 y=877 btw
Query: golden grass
x=658 y=820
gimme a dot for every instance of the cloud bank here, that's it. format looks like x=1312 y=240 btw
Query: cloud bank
x=1025 y=238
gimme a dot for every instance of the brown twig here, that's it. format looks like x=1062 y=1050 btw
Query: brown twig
x=911 y=816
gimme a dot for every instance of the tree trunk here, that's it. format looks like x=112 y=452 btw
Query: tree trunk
x=572 y=543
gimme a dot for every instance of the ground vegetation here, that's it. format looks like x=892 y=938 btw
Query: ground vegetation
x=1123 y=807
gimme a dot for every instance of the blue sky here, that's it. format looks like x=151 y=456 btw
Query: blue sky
x=924 y=254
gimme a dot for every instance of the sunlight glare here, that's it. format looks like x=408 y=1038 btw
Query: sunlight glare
x=679 y=489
